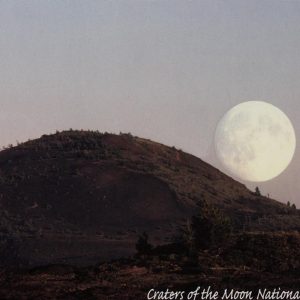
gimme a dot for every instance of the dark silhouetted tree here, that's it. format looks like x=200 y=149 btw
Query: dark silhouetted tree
x=210 y=228
x=143 y=246
x=257 y=191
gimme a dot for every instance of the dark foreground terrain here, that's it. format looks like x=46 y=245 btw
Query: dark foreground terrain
x=86 y=215
x=133 y=281
x=260 y=268
x=248 y=262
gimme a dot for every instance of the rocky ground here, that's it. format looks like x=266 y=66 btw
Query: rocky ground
x=133 y=278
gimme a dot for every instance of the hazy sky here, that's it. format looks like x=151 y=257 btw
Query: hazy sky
x=164 y=70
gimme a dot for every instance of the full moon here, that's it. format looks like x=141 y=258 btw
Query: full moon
x=255 y=141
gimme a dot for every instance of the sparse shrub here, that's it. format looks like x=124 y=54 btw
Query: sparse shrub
x=257 y=191
x=209 y=229
x=143 y=246
x=189 y=238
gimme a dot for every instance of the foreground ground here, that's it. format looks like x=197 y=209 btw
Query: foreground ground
x=132 y=279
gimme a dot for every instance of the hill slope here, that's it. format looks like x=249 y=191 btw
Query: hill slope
x=81 y=197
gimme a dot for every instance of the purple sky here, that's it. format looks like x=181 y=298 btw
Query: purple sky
x=164 y=70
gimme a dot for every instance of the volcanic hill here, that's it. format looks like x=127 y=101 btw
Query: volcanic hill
x=81 y=197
